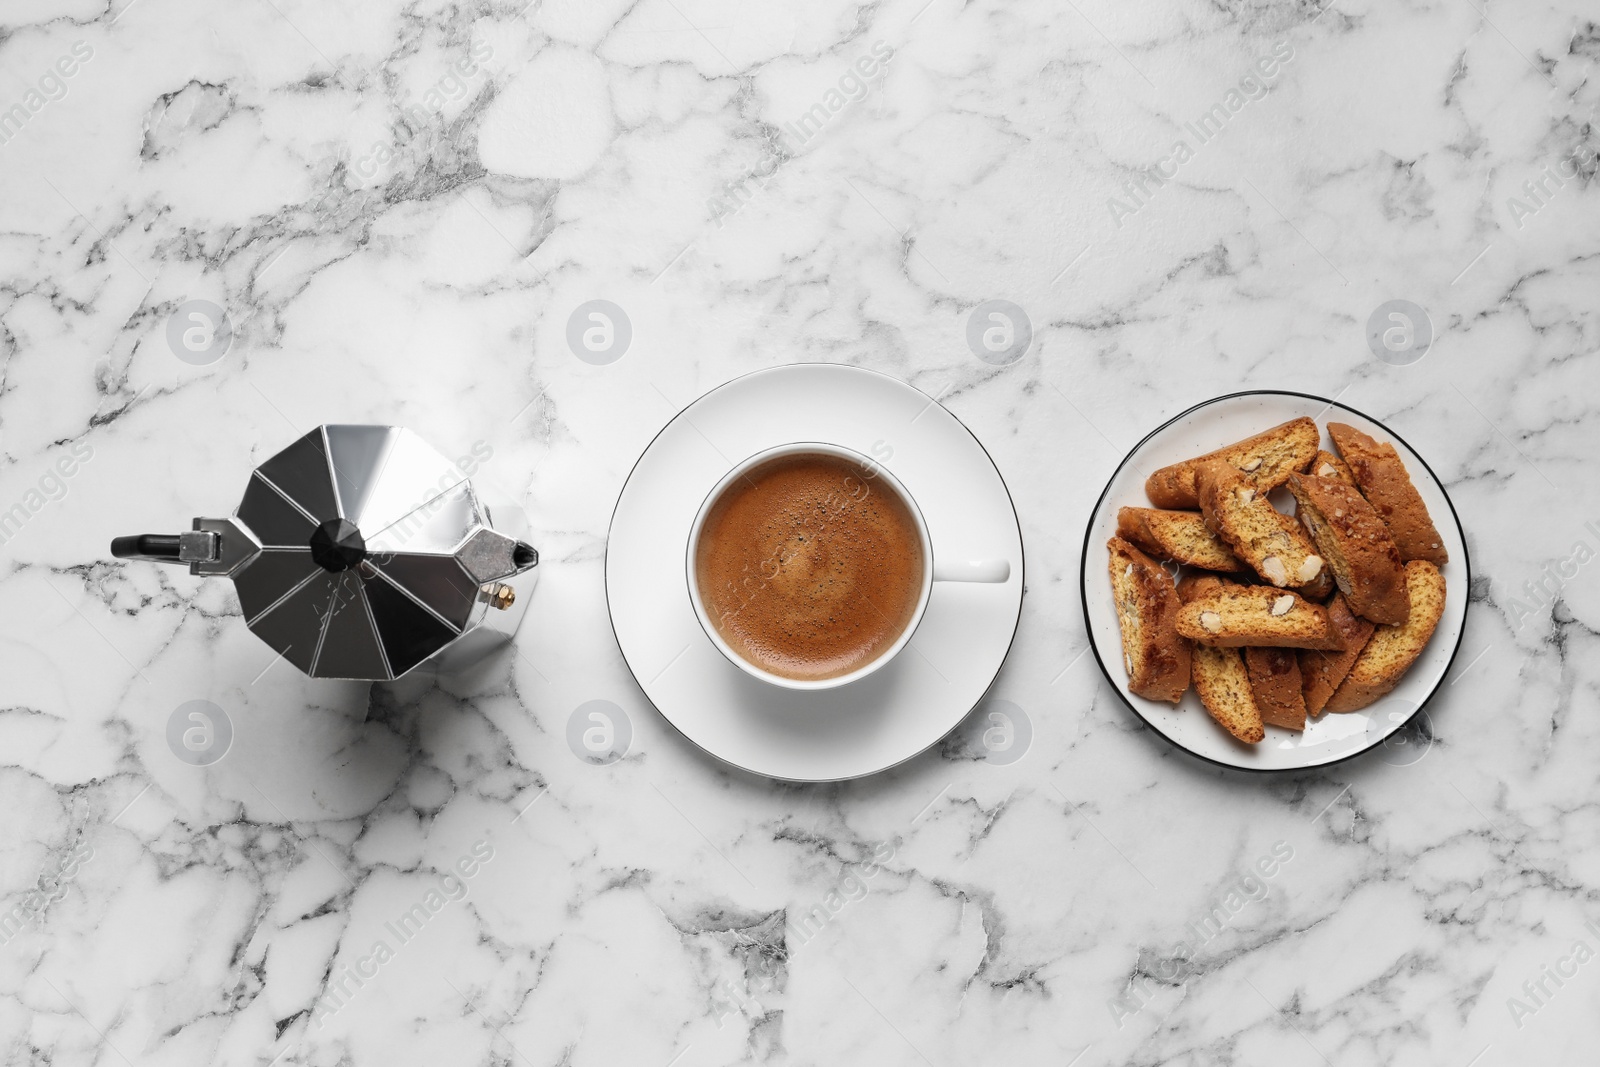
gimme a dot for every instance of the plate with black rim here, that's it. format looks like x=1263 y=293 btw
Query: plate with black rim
x=1396 y=725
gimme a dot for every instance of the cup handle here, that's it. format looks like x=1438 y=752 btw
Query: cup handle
x=974 y=570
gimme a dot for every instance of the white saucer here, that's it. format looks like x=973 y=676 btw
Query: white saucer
x=866 y=726
x=1333 y=736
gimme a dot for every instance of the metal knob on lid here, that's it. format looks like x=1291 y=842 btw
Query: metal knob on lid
x=360 y=552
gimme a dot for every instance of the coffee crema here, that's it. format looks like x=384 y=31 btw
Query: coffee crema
x=809 y=566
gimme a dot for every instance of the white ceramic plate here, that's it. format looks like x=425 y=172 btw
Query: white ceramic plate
x=1332 y=737
x=894 y=713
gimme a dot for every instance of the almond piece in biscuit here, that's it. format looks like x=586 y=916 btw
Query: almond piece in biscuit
x=1267 y=459
x=1156 y=658
x=1393 y=649
x=1239 y=616
x=1176 y=535
x=1328 y=465
x=1275 y=681
x=1356 y=545
x=1382 y=478
x=1322 y=671
x=1260 y=534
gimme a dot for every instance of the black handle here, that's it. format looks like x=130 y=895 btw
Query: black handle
x=525 y=556
x=160 y=548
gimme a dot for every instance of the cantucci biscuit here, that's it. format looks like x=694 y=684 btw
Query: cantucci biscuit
x=1275 y=682
x=1258 y=533
x=1239 y=616
x=1383 y=480
x=1220 y=676
x=1267 y=459
x=1181 y=536
x=1356 y=545
x=1393 y=649
x=1156 y=658
x=1322 y=671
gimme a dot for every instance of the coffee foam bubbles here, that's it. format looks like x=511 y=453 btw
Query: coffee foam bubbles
x=810 y=567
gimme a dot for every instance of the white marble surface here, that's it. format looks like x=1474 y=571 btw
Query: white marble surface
x=249 y=154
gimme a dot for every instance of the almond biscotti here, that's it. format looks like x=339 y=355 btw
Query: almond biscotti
x=1220 y=677
x=1239 y=616
x=1181 y=536
x=1156 y=657
x=1327 y=465
x=1383 y=480
x=1275 y=682
x=1223 y=683
x=1392 y=649
x=1321 y=671
x=1264 y=537
x=1267 y=460
x=1356 y=545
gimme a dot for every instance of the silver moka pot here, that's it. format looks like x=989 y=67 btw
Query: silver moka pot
x=360 y=552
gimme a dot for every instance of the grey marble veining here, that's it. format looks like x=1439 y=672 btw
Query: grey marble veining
x=398 y=211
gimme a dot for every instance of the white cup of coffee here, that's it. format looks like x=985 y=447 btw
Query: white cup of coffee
x=810 y=566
